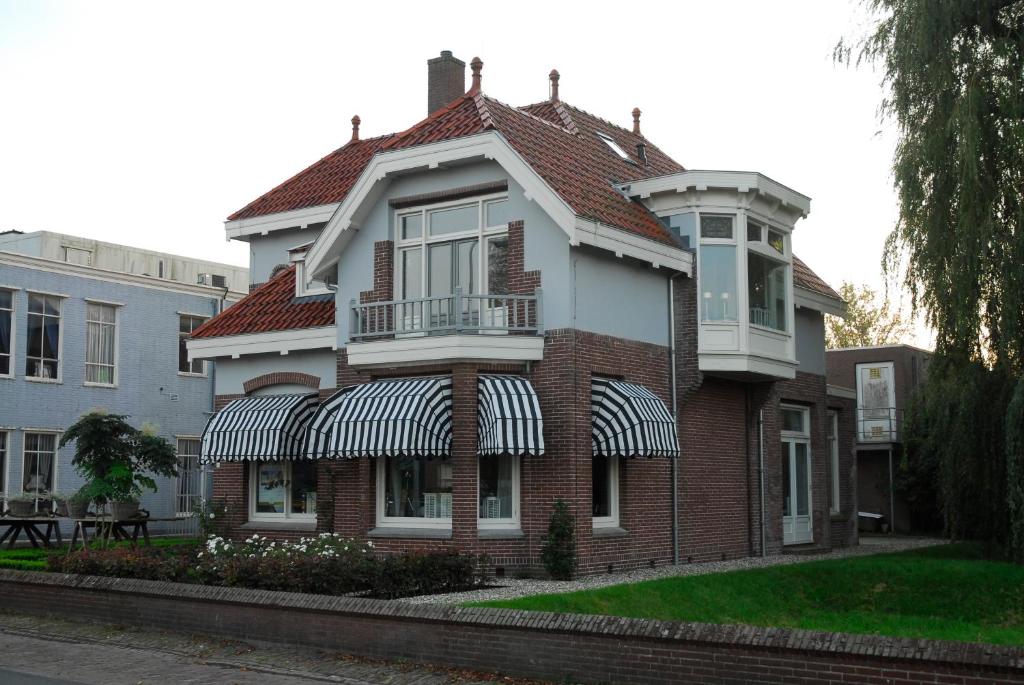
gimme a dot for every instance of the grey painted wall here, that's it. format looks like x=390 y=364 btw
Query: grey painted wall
x=810 y=341
x=267 y=251
x=620 y=297
x=149 y=390
x=232 y=373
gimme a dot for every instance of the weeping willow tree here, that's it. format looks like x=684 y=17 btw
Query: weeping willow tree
x=953 y=74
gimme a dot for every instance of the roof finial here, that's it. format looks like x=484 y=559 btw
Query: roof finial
x=553 y=76
x=476 y=65
x=636 y=120
x=355 y=127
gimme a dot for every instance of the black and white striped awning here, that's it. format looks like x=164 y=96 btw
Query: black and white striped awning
x=261 y=428
x=406 y=416
x=508 y=416
x=628 y=420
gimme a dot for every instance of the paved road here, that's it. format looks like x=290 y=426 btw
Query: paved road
x=51 y=652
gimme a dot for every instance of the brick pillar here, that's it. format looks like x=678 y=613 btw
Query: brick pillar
x=465 y=462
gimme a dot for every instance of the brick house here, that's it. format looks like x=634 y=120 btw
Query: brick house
x=453 y=326
x=884 y=378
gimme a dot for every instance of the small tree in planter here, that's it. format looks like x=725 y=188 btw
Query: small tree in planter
x=116 y=458
x=559 y=550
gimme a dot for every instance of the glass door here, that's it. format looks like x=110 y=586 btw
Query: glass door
x=797 y=522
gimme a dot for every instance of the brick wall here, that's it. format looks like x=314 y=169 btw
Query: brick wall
x=565 y=648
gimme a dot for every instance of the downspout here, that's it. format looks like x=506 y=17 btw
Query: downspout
x=675 y=414
x=760 y=469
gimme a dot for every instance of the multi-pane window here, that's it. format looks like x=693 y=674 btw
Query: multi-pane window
x=833 y=451
x=44 y=331
x=605 y=491
x=498 y=490
x=3 y=461
x=415 y=491
x=189 y=477
x=283 y=490
x=100 y=343
x=766 y=287
x=6 y=332
x=717 y=268
x=186 y=324
x=40 y=456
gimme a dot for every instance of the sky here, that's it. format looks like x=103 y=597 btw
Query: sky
x=147 y=123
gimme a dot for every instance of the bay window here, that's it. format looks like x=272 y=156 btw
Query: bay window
x=100 y=343
x=605 y=492
x=414 y=491
x=44 y=333
x=498 y=491
x=717 y=268
x=766 y=289
x=283 y=490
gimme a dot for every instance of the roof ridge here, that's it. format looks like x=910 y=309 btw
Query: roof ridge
x=559 y=107
x=601 y=119
x=531 y=115
x=438 y=113
x=480 y=100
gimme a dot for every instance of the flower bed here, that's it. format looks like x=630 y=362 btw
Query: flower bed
x=327 y=564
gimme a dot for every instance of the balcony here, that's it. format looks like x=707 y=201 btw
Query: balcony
x=456 y=327
x=878 y=424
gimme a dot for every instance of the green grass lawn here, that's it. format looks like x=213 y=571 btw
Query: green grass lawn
x=34 y=558
x=947 y=593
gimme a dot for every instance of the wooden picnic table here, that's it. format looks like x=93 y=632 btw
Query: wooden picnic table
x=30 y=526
x=116 y=528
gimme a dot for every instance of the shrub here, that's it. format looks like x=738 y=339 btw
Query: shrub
x=559 y=550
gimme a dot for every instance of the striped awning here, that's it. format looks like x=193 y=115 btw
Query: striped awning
x=508 y=416
x=261 y=428
x=405 y=416
x=628 y=420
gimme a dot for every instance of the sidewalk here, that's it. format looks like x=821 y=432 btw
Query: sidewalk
x=51 y=652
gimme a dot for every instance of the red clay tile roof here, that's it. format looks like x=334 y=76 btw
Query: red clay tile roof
x=803 y=277
x=270 y=308
x=324 y=182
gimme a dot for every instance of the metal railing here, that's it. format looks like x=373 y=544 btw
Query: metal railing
x=878 y=424
x=447 y=314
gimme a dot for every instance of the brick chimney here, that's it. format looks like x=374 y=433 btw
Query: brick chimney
x=446 y=80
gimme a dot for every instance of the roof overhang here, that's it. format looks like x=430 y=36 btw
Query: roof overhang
x=241 y=229
x=280 y=342
x=489 y=145
x=811 y=299
x=702 y=180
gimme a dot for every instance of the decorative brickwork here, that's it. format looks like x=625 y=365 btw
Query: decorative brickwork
x=536 y=645
x=383 y=274
x=281 y=378
x=520 y=281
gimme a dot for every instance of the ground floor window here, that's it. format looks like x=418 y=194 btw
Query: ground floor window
x=499 y=491
x=39 y=463
x=605 y=492
x=414 y=491
x=3 y=463
x=189 y=477
x=833 y=451
x=797 y=522
x=283 y=490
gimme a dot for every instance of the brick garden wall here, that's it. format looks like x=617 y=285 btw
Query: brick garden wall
x=561 y=648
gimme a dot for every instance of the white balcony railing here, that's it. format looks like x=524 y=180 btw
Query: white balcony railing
x=447 y=314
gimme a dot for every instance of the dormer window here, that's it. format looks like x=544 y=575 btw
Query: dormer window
x=613 y=145
x=305 y=286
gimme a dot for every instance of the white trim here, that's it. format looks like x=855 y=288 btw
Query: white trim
x=60 y=337
x=177 y=479
x=739 y=362
x=791 y=438
x=7 y=461
x=489 y=145
x=294 y=219
x=56 y=456
x=286 y=515
x=507 y=523
x=117 y=346
x=426 y=349
x=839 y=391
x=384 y=521
x=611 y=521
x=882 y=347
x=282 y=342
x=12 y=352
x=107 y=276
x=93 y=300
x=700 y=180
x=810 y=299
x=205 y=366
x=624 y=243
x=32 y=291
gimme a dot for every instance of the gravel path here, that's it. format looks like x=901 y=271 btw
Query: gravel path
x=513 y=587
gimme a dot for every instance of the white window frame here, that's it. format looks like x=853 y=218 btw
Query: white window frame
x=611 y=521
x=69 y=249
x=60 y=336
x=56 y=456
x=12 y=357
x=734 y=243
x=385 y=521
x=613 y=146
x=117 y=343
x=198 y=472
x=190 y=374
x=507 y=523
x=482 y=232
x=803 y=436
x=833 y=450
x=265 y=516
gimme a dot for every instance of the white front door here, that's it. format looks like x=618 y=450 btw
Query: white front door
x=797 y=522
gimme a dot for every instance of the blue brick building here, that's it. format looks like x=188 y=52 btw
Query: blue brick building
x=74 y=337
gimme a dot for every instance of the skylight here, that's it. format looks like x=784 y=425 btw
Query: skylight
x=613 y=145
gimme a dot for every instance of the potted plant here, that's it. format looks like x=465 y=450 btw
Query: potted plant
x=77 y=505
x=60 y=503
x=21 y=506
x=116 y=459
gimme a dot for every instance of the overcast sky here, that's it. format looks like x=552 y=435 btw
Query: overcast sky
x=147 y=123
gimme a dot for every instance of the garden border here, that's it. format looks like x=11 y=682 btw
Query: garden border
x=528 y=644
